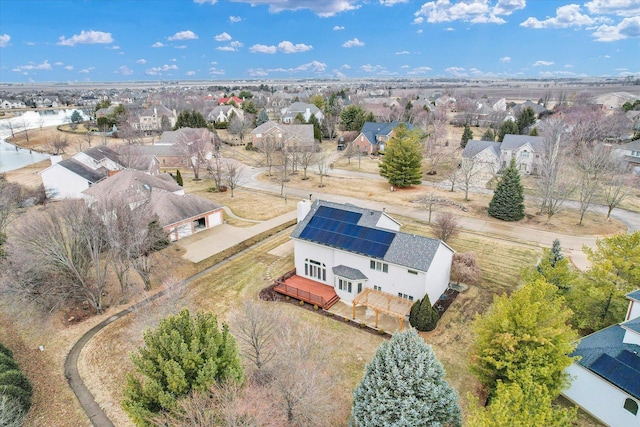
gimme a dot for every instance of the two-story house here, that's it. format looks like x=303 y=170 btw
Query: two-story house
x=373 y=136
x=606 y=374
x=289 y=113
x=630 y=153
x=282 y=135
x=495 y=156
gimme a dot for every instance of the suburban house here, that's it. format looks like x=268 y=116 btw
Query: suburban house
x=485 y=155
x=151 y=119
x=289 y=113
x=524 y=149
x=170 y=148
x=140 y=158
x=606 y=376
x=374 y=136
x=66 y=179
x=630 y=152
x=230 y=100
x=343 y=250
x=180 y=214
x=282 y=135
x=223 y=113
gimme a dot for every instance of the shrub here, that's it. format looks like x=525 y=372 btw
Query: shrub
x=7 y=363
x=4 y=350
x=15 y=378
x=423 y=316
x=315 y=307
x=301 y=303
x=21 y=396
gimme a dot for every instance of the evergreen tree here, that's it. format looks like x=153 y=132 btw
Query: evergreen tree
x=403 y=386
x=317 y=129
x=402 y=161
x=423 y=316
x=179 y=180
x=190 y=119
x=76 y=117
x=466 y=136
x=507 y=203
x=507 y=127
x=534 y=132
x=554 y=268
x=15 y=390
x=489 y=135
x=526 y=118
x=181 y=355
x=524 y=336
x=262 y=118
x=354 y=116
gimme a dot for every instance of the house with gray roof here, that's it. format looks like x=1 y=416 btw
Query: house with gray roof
x=606 y=372
x=373 y=136
x=349 y=249
x=495 y=156
x=630 y=153
x=288 y=114
x=283 y=135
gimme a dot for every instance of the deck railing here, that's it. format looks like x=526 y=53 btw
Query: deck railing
x=281 y=287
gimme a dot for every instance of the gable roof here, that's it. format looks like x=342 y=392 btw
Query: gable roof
x=353 y=229
x=635 y=295
x=301 y=107
x=630 y=146
x=605 y=354
x=373 y=129
x=102 y=152
x=475 y=147
x=348 y=272
x=302 y=132
x=83 y=171
x=172 y=208
x=131 y=180
x=513 y=142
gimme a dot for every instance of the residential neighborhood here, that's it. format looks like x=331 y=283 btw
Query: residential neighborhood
x=348 y=215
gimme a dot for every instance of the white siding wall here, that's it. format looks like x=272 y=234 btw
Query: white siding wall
x=397 y=280
x=599 y=398
x=63 y=183
x=634 y=310
x=631 y=337
x=388 y=223
x=215 y=219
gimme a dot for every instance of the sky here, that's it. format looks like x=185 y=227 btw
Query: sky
x=133 y=40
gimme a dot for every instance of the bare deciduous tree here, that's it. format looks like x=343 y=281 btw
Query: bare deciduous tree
x=307 y=156
x=197 y=146
x=465 y=268
x=57 y=142
x=445 y=226
x=616 y=188
x=9 y=201
x=591 y=165
x=469 y=169
x=321 y=162
x=268 y=148
x=240 y=126
x=234 y=174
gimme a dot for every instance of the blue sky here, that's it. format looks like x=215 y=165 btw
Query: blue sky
x=125 y=40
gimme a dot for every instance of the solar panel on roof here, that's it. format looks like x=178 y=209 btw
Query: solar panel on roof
x=338 y=228
x=618 y=373
x=629 y=358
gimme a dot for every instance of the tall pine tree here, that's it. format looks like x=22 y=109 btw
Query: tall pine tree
x=466 y=136
x=507 y=203
x=402 y=161
x=403 y=386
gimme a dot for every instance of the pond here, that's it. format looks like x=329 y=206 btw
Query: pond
x=12 y=157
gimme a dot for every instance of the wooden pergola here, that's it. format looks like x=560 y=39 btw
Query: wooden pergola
x=382 y=302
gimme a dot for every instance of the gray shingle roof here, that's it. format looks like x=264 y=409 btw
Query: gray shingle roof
x=85 y=172
x=635 y=295
x=131 y=180
x=348 y=273
x=474 y=147
x=631 y=146
x=408 y=250
x=632 y=324
x=172 y=208
x=513 y=142
x=372 y=129
x=102 y=152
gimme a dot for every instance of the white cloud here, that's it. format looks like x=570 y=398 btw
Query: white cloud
x=155 y=71
x=404 y=67
x=392 y=2
x=124 y=70
x=181 y=46
x=627 y=28
x=288 y=47
x=505 y=59
x=173 y=60
x=322 y=8
x=86 y=37
x=566 y=16
x=345 y=67
x=260 y=48
x=568 y=66
x=419 y=31
x=31 y=66
x=205 y=1
x=338 y=28
x=474 y=11
x=157 y=44
x=368 y=68
x=314 y=66
x=4 y=40
x=456 y=71
x=69 y=67
x=27 y=43
x=257 y=72
x=543 y=63
x=231 y=47
x=216 y=72
x=226 y=48
x=113 y=47
x=141 y=61
x=190 y=73
x=222 y=37
x=234 y=19
x=403 y=52
x=628 y=8
x=353 y=43
x=183 y=35
x=449 y=29
x=87 y=70
x=58 y=64
x=419 y=71
x=475 y=71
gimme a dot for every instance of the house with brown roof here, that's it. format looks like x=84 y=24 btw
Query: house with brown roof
x=180 y=214
x=283 y=135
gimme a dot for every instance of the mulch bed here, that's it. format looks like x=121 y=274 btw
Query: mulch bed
x=269 y=294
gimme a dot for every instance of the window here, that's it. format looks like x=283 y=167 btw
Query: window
x=631 y=406
x=525 y=154
x=359 y=287
x=344 y=285
x=377 y=288
x=405 y=296
x=412 y=272
x=379 y=266
x=315 y=269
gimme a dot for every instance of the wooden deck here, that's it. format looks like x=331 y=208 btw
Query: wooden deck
x=306 y=290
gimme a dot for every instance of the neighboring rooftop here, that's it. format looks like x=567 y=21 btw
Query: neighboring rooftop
x=130 y=181
x=80 y=169
x=172 y=208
